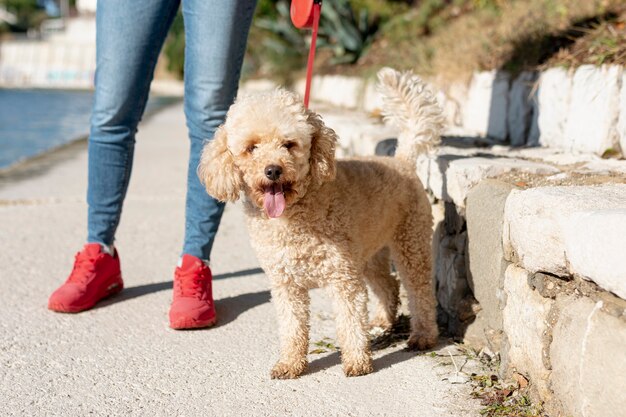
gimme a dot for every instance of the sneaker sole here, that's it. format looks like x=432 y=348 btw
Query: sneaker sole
x=192 y=324
x=61 y=308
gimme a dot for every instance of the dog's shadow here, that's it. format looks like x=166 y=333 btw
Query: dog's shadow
x=229 y=308
x=398 y=335
x=383 y=362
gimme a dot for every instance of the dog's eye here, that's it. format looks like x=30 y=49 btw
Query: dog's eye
x=250 y=148
x=289 y=145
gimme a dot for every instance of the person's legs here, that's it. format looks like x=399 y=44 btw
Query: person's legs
x=129 y=37
x=216 y=33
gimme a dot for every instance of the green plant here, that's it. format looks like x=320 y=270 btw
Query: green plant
x=28 y=13
x=174 y=48
x=345 y=31
x=283 y=46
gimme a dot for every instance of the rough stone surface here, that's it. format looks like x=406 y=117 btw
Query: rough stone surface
x=485 y=113
x=463 y=174
x=450 y=272
x=595 y=243
x=592 y=118
x=533 y=131
x=520 y=110
x=553 y=104
x=450 y=176
x=604 y=166
x=484 y=213
x=621 y=123
x=587 y=356
x=525 y=324
x=569 y=230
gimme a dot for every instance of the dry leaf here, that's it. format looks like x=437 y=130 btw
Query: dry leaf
x=522 y=381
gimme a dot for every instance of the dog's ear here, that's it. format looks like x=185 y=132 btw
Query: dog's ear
x=217 y=169
x=323 y=144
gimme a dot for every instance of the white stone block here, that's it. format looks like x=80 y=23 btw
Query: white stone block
x=485 y=111
x=338 y=90
x=587 y=356
x=463 y=174
x=604 y=166
x=595 y=244
x=621 y=123
x=453 y=101
x=453 y=172
x=519 y=113
x=431 y=170
x=592 y=118
x=553 y=104
x=372 y=100
x=569 y=230
x=524 y=320
x=358 y=134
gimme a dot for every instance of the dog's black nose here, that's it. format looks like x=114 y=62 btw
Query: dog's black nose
x=273 y=172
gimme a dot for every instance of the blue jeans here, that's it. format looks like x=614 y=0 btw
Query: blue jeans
x=130 y=35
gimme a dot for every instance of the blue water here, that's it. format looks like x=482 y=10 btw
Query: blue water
x=35 y=121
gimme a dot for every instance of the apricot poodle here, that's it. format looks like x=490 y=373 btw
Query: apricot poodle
x=315 y=221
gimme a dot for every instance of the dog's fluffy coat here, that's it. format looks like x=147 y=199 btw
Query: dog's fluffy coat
x=340 y=222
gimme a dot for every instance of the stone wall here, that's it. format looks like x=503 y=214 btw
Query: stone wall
x=555 y=317
x=530 y=263
x=581 y=110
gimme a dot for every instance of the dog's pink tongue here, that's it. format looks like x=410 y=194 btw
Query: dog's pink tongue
x=274 y=202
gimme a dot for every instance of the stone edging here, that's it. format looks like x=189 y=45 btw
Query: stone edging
x=582 y=110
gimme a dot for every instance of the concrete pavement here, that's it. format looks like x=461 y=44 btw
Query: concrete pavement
x=122 y=359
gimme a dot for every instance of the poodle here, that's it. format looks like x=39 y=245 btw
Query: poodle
x=315 y=221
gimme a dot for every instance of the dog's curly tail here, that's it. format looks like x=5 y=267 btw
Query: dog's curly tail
x=410 y=106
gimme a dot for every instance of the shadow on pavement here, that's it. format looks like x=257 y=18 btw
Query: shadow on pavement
x=137 y=291
x=325 y=362
x=252 y=271
x=229 y=308
x=392 y=358
x=133 y=292
x=383 y=362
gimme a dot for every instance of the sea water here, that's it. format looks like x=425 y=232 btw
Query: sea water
x=33 y=122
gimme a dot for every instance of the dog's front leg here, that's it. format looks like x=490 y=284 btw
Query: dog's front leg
x=292 y=309
x=350 y=300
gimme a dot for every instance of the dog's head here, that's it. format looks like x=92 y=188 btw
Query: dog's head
x=271 y=148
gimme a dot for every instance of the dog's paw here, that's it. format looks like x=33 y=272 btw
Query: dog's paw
x=284 y=370
x=358 y=368
x=381 y=322
x=422 y=342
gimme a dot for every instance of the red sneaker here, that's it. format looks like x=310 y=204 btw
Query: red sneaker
x=192 y=305
x=96 y=275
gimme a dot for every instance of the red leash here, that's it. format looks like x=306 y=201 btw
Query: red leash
x=306 y=14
